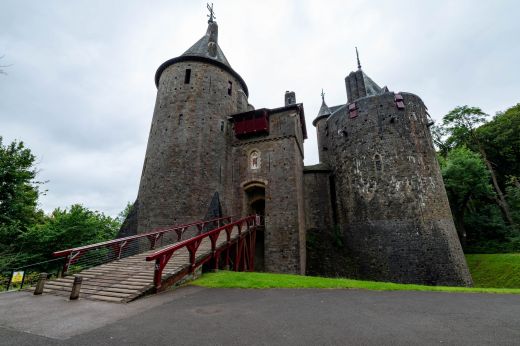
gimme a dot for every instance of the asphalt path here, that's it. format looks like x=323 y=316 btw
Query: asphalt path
x=201 y=316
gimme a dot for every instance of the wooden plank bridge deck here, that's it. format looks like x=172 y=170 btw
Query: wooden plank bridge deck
x=126 y=279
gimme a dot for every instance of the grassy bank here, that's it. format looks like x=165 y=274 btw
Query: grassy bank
x=495 y=270
x=226 y=279
x=492 y=273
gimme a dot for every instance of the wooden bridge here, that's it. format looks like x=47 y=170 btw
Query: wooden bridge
x=124 y=269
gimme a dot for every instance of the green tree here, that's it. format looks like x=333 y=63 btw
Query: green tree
x=439 y=134
x=68 y=228
x=461 y=124
x=466 y=179
x=513 y=197
x=500 y=138
x=18 y=197
x=26 y=234
x=125 y=212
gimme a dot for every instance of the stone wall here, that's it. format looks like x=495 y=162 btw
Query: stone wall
x=322 y=132
x=393 y=209
x=188 y=148
x=318 y=199
x=280 y=172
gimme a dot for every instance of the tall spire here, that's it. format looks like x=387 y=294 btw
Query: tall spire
x=324 y=109
x=208 y=46
x=211 y=14
x=358 y=62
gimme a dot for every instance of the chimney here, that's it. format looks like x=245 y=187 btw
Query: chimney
x=290 y=98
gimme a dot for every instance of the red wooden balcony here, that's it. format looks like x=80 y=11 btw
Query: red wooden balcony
x=251 y=123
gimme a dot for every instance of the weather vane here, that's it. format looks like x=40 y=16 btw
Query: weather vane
x=322 y=95
x=211 y=14
x=358 y=62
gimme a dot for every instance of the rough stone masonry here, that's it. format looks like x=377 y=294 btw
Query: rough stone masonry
x=374 y=208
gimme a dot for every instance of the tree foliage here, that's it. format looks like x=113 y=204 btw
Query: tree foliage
x=68 y=228
x=27 y=235
x=480 y=167
x=460 y=124
x=466 y=180
x=501 y=139
x=125 y=212
x=18 y=195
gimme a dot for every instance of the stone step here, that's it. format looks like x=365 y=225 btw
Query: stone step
x=86 y=286
x=111 y=283
x=106 y=298
x=127 y=278
x=142 y=270
x=115 y=276
x=87 y=291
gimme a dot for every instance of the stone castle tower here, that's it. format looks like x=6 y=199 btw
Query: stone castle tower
x=375 y=207
x=210 y=152
x=388 y=204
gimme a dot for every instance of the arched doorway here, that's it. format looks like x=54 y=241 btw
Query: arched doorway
x=255 y=204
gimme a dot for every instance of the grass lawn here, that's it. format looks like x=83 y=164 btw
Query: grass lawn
x=495 y=270
x=228 y=279
x=499 y=273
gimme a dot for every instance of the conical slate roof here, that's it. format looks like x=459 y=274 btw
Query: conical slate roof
x=208 y=47
x=324 y=111
x=370 y=86
x=207 y=50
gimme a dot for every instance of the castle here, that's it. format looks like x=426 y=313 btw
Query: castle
x=374 y=208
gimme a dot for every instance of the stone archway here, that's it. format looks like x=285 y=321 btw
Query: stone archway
x=255 y=204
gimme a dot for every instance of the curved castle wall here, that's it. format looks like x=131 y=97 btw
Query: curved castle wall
x=188 y=144
x=392 y=205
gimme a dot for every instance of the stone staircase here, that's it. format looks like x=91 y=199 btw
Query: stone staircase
x=126 y=279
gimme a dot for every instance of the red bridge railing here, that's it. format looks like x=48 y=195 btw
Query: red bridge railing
x=99 y=253
x=243 y=245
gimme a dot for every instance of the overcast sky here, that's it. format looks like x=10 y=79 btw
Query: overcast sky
x=80 y=91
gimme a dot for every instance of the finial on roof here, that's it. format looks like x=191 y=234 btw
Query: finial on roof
x=358 y=62
x=324 y=109
x=211 y=14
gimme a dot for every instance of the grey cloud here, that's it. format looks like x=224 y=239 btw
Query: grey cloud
x=80 y=92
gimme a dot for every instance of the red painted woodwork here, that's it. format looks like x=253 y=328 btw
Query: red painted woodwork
x=244 y=251
x=251 y=123
x=117 y=245
x=352 y=110
x=399 y=101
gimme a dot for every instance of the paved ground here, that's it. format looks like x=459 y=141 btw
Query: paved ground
x=199 y=316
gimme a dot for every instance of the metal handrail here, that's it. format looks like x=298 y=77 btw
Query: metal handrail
x=31 y=265
x=117 y=245
x=63 y=253
x=162 y=256
x=43 y=264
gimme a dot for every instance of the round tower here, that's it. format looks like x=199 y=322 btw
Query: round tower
x=322 y=130
x=189 y=142
x=394 y=211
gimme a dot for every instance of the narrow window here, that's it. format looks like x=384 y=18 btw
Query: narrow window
x=222 y=126
x=180 y=120
x=230 y=87
x=187 y=76
x=377 y=161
